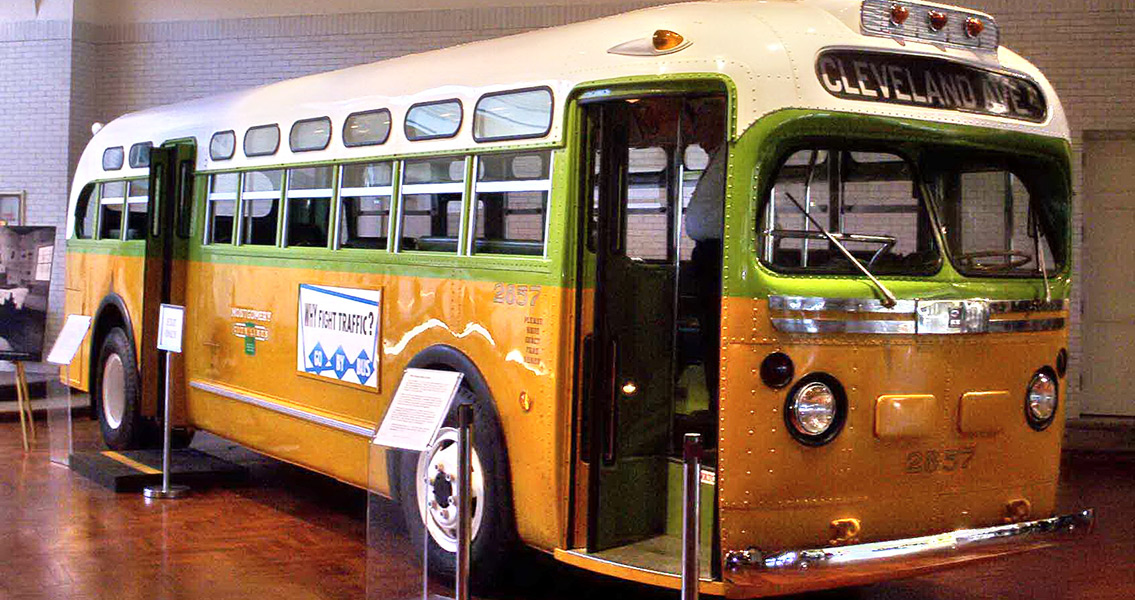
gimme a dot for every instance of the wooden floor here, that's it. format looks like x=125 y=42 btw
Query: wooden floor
x=294 y=534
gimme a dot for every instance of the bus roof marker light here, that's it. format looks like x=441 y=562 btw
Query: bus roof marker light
x=899 y=14
x=661 y=42
x=937 y=20
x=974 y=27
x=664 y=40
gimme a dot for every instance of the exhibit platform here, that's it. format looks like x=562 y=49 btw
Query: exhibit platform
x=132 y=470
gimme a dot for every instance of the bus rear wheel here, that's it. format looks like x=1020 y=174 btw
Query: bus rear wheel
x=117 y=390
x=428 y=487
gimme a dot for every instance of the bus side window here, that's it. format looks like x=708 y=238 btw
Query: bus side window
x=137 y=202
x=512 y=203
x=86 y=209
x=260 y=208
x=110 y=203
x=365 y=191
x=221 y=206
x=309 y=207
x=431 y=204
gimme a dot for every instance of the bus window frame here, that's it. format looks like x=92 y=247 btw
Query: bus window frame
x=436 y=136
x=301 y=122
x=391 y=217
x=400 y=191
x=347 y=122
x=265 y=127
x=207 y=224
x=332 y=199
x=238 y=238
x=490 y=95
x=143 y=200
x=470 y=242
x=98 y=220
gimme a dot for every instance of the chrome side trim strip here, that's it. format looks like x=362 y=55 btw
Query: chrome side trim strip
x=837 y=326
x=936 y=317
x=997 y=307
x=1023 y=325
x=805 y=562
x=857 y=305
x=282 y=409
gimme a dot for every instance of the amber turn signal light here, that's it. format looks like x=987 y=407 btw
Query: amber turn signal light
x=974 y=27
x=664 y=39
x=938 y=20
x=899 y=14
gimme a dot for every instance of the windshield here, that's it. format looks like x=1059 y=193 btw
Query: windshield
x=868 y=201
x=1000 y=217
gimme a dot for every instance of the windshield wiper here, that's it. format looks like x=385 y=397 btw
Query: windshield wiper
x=1035 y=226
x=889 y=299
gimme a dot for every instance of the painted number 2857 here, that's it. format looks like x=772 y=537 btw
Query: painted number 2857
x=932 y=461
x=518 y=295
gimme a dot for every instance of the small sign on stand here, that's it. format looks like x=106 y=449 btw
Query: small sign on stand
x=66 y=346
x=413 y=422
x=419 y=407
x=171 y=323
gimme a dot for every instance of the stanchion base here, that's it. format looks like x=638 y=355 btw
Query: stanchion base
x=175 y=491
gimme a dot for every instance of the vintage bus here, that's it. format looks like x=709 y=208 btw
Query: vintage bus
x=831 y=236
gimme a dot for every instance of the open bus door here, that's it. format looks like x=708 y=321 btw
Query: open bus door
x=643 y=359
x=163 y=282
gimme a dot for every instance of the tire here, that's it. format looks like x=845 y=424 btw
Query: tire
x=494 y=527
x=118 y=393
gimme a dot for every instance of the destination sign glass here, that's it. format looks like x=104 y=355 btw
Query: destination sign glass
x=929 y=82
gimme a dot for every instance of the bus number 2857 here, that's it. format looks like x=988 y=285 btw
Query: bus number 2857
x=931 y=461
x=519 y=295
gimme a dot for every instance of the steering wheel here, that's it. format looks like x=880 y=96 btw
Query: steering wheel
x=1014 y=259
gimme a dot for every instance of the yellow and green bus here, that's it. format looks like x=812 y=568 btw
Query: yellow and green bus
x=830 y=236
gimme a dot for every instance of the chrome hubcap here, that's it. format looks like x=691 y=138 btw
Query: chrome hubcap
x=113 y=391
x=437 y=485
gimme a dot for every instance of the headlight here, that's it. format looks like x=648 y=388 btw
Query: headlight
x=1041 y=400
x=815 y=409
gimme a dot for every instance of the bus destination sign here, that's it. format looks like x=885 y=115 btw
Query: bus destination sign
x=929 y=82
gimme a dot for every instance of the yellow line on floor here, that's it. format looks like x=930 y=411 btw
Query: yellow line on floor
x=148 y=470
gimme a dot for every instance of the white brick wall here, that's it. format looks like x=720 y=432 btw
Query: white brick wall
x=57 y=77
x=35 y=70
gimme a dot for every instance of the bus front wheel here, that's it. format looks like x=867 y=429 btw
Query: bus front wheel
x=428 y=489
x=118 y=394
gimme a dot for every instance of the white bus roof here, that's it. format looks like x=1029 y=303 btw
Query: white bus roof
x=768 y=49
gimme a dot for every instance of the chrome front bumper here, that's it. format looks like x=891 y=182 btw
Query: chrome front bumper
x=751 y=573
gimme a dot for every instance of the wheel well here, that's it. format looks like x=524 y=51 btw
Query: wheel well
x=444 y=358
x=111 y=313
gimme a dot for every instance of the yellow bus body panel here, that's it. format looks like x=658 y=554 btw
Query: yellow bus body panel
x=778 y=494
x=91 y=277
x=417 y=313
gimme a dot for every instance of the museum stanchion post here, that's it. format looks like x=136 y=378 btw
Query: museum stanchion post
x=172 y=320
x=691 y=516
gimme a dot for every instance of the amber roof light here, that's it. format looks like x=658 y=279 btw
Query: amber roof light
x=664 y=39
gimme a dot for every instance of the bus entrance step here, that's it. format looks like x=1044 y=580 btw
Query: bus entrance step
x=132 y=470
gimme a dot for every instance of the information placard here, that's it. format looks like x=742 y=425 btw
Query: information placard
x=418 y=409
x=171 y=319
x=68 y=341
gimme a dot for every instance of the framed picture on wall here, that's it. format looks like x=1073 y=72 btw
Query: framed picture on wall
x=25 y=282
x=12 y=208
